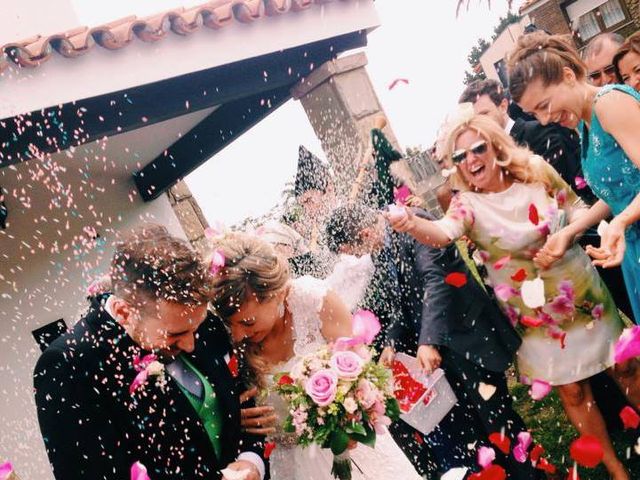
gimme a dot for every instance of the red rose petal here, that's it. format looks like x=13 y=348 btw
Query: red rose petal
x=536 y=453
x=456 y=279
x=573 y=474
x=586 y=451
x=519 y=276
x=268 y=448
x=492 y=472
x=533 y=214
x=418 y=438
x=544 y=465
x=233 y=366
x=393 y=84
x=502 y=442
x=629 y=417
x=528 y=321
x=285 y=380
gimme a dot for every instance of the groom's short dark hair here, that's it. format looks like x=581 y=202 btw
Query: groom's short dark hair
x=152 y=264
x=345 y=224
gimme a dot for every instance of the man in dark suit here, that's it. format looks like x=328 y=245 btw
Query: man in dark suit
x=99 y=413
x=457 y=328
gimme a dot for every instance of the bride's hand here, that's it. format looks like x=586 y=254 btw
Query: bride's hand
x=257 y=420
x=554 y=249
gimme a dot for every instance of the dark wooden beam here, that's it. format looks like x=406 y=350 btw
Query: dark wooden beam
x=206 y=139
x=55 y=129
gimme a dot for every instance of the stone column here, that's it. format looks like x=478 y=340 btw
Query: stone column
x=342 y=106
x=189 y=215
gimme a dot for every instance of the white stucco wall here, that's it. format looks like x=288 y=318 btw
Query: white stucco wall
x=501 y=47
x=38 y=286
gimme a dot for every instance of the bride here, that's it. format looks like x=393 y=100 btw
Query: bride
x=279 y=319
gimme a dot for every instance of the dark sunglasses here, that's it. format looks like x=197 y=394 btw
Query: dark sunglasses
x=477 y=148
x=608 y=70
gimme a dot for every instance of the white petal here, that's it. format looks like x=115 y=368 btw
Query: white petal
x=455 y=474
x=486 y=390
x=602 y=227
x=229 y=474
x=532 y=292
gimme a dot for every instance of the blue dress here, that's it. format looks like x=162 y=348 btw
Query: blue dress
x=615 y=179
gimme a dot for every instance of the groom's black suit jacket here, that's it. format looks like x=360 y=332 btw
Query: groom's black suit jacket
x=94 y=428
x=463 y=319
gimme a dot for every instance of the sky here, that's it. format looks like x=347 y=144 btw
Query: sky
x=421 y=40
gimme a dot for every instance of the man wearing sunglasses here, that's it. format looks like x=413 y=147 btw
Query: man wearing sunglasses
x=598 y=56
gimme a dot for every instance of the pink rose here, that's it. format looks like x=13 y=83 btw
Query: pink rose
x=366 y=393
x=347 y=364
x=322 y=387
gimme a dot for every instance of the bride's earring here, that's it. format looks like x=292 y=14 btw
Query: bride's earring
x=281 y=310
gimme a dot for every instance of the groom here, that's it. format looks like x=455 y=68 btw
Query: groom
x=99 y=414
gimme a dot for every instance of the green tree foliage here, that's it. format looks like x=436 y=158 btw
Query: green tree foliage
x=476 y=52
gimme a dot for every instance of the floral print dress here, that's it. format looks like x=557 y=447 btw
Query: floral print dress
x=571 y=336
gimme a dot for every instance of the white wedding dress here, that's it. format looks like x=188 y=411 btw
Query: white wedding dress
x=290 y=462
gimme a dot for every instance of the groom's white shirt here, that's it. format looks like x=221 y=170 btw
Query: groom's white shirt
x=185 y=377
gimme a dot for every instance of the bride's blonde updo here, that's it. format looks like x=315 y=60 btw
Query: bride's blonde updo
x=519 y=162
x=252 y=267
x=538 y=55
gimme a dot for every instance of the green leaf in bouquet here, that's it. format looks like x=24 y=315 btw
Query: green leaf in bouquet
x=355 y=427
x=339 y=441
x=287 y=426
x=369 y=437
x=392 y=409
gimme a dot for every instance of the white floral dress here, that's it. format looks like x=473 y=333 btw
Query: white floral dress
x=571 y=337
x=290 y=462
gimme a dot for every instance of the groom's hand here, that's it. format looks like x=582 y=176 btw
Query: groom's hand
x=257 y=420
x=239 y=465
x=387 y=356
x=429 y=358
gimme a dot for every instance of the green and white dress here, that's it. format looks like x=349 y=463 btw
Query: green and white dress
x=571 y=337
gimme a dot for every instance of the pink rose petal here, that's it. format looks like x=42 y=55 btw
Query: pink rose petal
x=505 y=292
x=401 y=195
x=598 y=311
x=521 y=450
x=397 y=81
x=139 y=381
x=500 y=263
x=218 y=261
x=139 y=472
x=486 y=456
x=6 y=469
x=365 y=326
x=580 y=183
x=628 y=345
x=539 y=389
x=216 y=229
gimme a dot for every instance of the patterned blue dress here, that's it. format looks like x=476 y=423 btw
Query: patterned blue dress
x=614 y=178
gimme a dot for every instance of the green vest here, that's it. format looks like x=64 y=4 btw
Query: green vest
x=207 y=408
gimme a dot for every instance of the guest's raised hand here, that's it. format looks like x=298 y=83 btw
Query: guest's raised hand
x=553 y=250
x=400 y=218
x=429 y=358
x=257 y=420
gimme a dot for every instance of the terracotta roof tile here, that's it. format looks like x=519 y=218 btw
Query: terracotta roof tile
x=32 y=52
x=526 y=5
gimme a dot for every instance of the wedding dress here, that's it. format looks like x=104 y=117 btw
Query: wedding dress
x=290 y=462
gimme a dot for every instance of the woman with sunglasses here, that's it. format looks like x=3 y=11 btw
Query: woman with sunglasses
x=547 y=78
x=510 y=202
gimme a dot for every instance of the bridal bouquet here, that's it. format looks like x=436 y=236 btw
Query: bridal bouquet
x=338 y=395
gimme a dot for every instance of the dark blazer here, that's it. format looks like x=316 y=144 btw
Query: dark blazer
x=559 y=146
x=94 y=428
x=465 y=319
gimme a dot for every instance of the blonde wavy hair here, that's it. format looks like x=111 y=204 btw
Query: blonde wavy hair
x=252 y=268
x=519 y=162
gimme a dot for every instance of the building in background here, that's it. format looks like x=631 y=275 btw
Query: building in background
x=584 y=19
